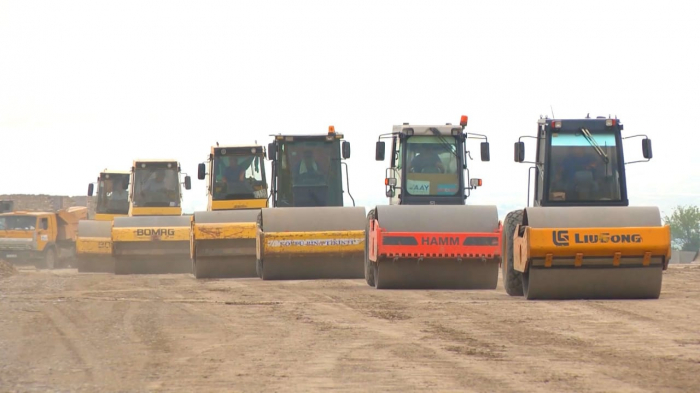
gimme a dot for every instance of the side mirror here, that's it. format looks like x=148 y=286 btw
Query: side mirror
x=201 y=171
x=519 y=152
x=485 y=152
x=91 y=189
x=346 y=149
x=271 y=151
x=646 y=148
x=379 y=153
x=188 y=183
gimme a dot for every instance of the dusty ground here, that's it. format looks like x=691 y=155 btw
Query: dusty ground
x=64 y=331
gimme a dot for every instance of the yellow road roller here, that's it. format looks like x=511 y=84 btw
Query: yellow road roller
x=223 y=237
x=94 y=239
x=155 y=237
x=581 y=239
x=308 y=233
x=427 y=238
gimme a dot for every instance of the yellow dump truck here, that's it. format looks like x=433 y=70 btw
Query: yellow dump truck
x=155 y=237
x=94 y=242
x=223 y=237
x=43 y=239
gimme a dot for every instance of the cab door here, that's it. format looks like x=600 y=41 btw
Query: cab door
x=44 y=235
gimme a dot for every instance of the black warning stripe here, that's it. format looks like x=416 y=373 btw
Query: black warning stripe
x=399 y=241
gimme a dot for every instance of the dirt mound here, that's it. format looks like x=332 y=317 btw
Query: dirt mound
x=6 y=269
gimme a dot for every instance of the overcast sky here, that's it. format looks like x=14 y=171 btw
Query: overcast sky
x=86 y=85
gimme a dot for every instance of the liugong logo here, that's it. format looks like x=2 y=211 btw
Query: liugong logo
x=561 y=238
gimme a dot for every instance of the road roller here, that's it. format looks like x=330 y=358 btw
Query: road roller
x=223 y=237
x=308 y=233
x=155 y=237
x=581 y=239
x=427 y=237
x=93 y=245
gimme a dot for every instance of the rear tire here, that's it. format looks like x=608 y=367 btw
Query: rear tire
x=369 y=268
x=50 y=259
x=512 y=279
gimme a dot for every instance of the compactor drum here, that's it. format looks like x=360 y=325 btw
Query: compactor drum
x=155 y=237
x=582 y=240
x=309 y=234
x=94 y=239
x=223 y=237
x=427 y=238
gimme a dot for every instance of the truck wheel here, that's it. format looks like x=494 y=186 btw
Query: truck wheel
x=512 y=280
x=50 y=259
x=369 y=269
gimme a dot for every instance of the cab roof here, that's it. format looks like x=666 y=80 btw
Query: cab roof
x=236 y=148
x=114 y=172
x=445 y=130
x=155 y=160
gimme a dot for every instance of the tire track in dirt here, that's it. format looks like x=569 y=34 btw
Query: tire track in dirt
x=390 y=336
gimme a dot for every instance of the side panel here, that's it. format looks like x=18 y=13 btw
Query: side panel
x=239 y=204
x=318 y=242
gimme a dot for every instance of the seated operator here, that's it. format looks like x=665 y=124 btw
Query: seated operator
x=577 y=173
x=427 y=161
x=307 y=167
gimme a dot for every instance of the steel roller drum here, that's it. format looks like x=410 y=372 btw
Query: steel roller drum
x=94 y=247
x=227 y=250
x=298 y=243
x=163 y=254
x=437 y=273
x=599 y=279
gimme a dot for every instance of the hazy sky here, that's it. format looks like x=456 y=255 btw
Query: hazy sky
x=86 y=85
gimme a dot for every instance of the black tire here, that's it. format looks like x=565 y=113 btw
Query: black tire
x=369 y=268
x=375 y=269
x=512 y=279
x=50 y=259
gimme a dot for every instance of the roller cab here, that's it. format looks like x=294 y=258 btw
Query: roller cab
x=582 y=240
x=155 y=237
x=223 y=237
x=309 y=233
x=427 y=238
x=94 y=239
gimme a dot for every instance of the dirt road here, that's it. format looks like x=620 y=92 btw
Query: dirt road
x=64 y=331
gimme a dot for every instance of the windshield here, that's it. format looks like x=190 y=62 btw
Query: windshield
x=584 y=167
x=112 y=194
x=309 y=174
x=239 y=177
x=432 y=165
x=17 y=223
x=156 y=187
